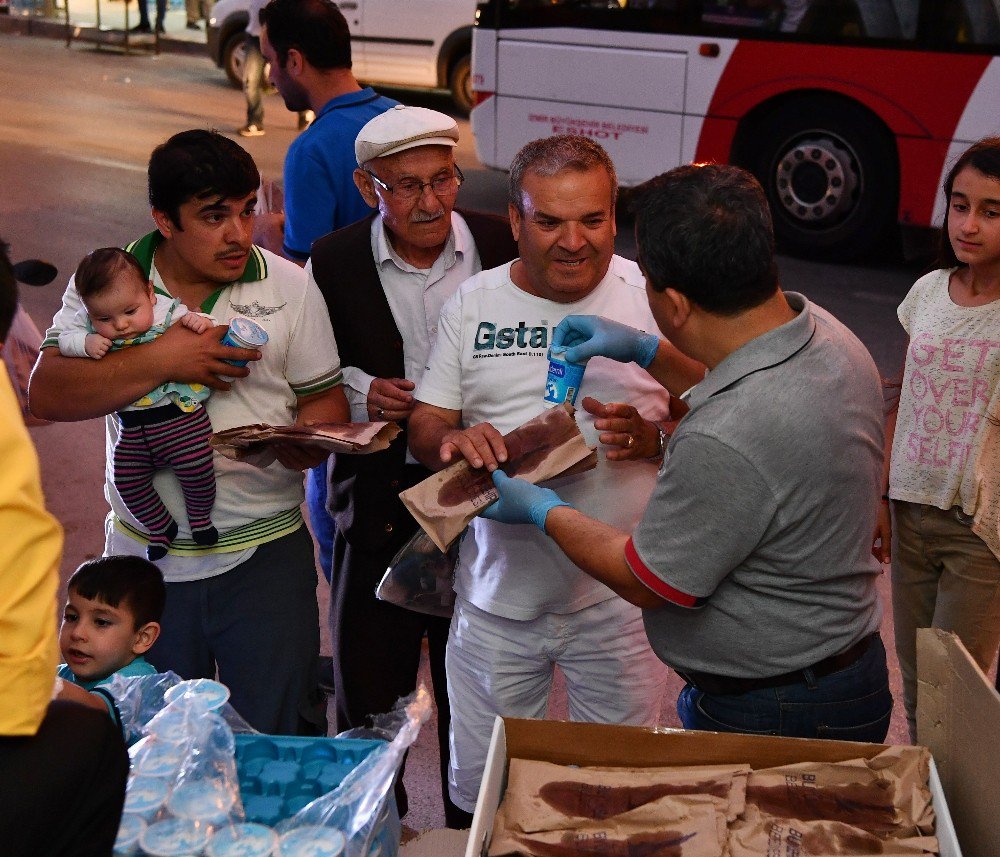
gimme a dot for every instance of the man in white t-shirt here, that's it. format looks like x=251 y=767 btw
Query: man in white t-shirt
x=245 y=606
x=522 y=606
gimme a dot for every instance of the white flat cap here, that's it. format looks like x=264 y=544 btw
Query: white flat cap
x=402 y=127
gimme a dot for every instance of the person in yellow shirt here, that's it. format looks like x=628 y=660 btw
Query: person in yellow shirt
x=63 y=766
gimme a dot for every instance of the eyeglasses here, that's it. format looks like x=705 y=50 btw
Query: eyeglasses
x=410 y=190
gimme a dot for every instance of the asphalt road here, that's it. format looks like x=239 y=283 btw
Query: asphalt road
x=76 y=129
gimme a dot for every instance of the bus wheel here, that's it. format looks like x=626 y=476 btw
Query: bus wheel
x=460 y=83
x=830 y=174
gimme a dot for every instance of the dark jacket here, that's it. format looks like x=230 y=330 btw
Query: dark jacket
x=363 y=488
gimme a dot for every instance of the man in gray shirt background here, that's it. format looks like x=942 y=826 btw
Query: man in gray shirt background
x=752 y=561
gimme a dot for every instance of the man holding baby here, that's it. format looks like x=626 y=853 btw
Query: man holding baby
x=245 y=606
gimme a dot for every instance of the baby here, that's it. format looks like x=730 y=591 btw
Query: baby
x=168 y=427
x=111 y=619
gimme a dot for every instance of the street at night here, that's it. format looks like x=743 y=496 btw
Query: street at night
x=77 y=126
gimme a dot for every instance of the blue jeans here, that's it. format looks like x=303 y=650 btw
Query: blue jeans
x=854 y=704
x=258 y=626
x=320 y=522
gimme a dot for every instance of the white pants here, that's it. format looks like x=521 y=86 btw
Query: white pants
x=504 y=667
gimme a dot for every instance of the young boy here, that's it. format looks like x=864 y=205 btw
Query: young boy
x=111 y=619
x=167 y=427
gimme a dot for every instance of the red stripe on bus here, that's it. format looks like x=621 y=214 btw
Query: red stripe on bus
x=921 y=102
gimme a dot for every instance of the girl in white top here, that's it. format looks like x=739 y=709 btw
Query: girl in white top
x=945 y=574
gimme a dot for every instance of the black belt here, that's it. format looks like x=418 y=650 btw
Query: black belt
x=149 y=416
x=731 y=686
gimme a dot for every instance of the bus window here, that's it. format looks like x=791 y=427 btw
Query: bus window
x=960 y=22
x=832 y=20
x=746 y=14
x=818 y=20
x=792 y=15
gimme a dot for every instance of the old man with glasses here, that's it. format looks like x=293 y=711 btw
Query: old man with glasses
x=385 y=279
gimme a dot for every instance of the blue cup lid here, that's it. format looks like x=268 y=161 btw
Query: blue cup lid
x=129 y=831
x=157 y=758
x=312 y=841
x=205 y=800
x=174 y=837
x=145 y=793
x=242 y=840
x=208 y=693
x=249 y=331
x=170 y=725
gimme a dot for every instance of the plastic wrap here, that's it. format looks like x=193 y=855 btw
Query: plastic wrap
x=184 y=790
x=421 y=578
x=141 y=698
x=362 y=802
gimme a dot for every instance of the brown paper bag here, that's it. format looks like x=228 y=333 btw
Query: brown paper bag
x=547 y=446
x=254 y=444
x=756 y=834
x=686 y=826
x=887 y=795
x=544 y=796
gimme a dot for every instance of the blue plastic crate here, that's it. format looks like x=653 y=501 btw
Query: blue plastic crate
x=280 y=774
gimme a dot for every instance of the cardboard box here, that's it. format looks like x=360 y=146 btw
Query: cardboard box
x=958 y=718
x=598 y=744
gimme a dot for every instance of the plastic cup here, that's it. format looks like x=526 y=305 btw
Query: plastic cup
x=244 y=333
x=174 y=837
x=563 y=381
x=209 y=694
x=159 y=758
x=312 y=841
x=201 y=800
x=145 y=795
x=171 y=725
x=242 y=840
x=129 y=831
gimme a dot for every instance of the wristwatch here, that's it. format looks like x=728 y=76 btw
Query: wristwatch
x=664 y=440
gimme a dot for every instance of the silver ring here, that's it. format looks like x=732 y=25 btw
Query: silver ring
x=380 y=413
x=629 y=441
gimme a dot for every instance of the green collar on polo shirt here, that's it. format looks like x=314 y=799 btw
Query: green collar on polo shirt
x=144 y=248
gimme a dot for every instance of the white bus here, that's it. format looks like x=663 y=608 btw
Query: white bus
x=848 y=111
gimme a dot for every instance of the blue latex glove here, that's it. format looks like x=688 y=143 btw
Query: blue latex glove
x=521 y=502
x=586 y=336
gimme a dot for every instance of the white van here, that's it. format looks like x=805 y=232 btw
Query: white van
x=420 y=43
